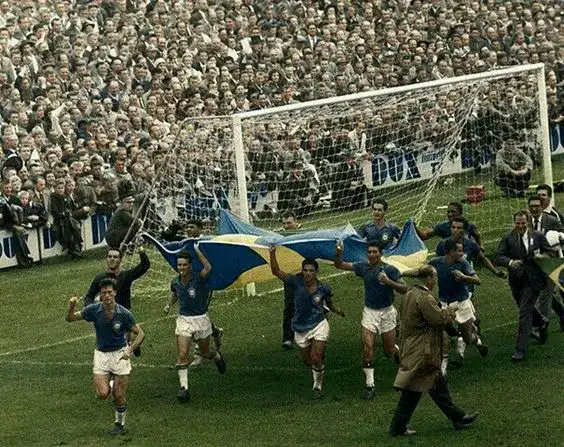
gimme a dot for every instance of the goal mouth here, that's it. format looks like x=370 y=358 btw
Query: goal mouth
x=323 y=163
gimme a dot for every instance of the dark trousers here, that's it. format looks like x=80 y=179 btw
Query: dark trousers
x=23 y=254
x=287 y=314
x=557 y=306
x=526 y=297
x=408 y=402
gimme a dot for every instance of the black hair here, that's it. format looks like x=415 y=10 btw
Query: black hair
x=380 y=202
x=451 y=245
x=115 y=249
x=458 y=206
x=378 y=244
x=289 y=215
x=108 y=282
x=546 y=187
x=312 y=262
x=532 y=198
x=462 y=220
x=184 y=255
x=520 y=213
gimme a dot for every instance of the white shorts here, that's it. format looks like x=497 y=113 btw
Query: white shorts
x=197 y=328
x=319 y=333
x=379 y=321
x=111 y=363
x=465 y=312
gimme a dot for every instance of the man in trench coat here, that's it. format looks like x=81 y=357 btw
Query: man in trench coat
x=424 y=345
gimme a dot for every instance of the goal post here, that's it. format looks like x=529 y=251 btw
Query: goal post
x=419 y=147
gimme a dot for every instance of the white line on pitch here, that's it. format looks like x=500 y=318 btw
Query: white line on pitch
x=84 y=337
x=162 y=366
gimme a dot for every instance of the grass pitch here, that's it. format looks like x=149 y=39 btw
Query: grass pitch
x=264 y=399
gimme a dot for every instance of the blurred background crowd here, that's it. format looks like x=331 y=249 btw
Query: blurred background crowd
x=93 y=93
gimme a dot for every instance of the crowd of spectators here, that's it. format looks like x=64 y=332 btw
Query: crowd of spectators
x=93 y=93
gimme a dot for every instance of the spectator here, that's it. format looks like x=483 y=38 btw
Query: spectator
x=513 y=170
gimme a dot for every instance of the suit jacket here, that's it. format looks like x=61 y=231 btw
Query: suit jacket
x=529 y=273
x=549 y=223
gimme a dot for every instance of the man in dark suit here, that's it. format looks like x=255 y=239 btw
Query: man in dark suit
x=517 y=251
x=543 y=223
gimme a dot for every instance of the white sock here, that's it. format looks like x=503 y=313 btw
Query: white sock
x=112 y=384
x=183 y=376
x=318 y=377
x=120 y=414
x=478 y=341
x=444 y=365
x=460 y=346
x=369 y=373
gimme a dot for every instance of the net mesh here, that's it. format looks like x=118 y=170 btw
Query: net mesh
x=418 y=149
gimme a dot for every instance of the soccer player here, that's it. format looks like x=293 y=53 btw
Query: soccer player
x=193 y=323
x=472 y=252
x=443 y=229
x=379 y=315
x=290 y=225
x=422 y=326
x=112 y=323
x=378 y=229
x=124 y=279
x=311 y=329
x=455 y=277
x=194 y=229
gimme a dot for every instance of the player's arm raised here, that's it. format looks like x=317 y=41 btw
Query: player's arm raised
x=72 y=314
x=274 y=267
x=205 y=263
x=338 y=261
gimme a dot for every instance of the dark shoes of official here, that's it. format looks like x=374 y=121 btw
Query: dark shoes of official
x=483 y=350
x=466 y=421
x=408 y=432
x=518 y=356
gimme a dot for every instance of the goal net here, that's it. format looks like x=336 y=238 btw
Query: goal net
x=418 y=147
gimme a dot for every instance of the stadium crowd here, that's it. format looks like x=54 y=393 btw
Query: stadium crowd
x=93 y=93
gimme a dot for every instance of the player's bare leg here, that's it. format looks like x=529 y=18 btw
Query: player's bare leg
x=120 y=403
x=183 y=345
x=368 y=344
x=470 y=336
x=212 y=354
x=316 y=356
x=391 y=349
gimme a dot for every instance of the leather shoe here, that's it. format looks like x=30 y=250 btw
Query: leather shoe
x=518 y=356
x=543 y=334
x=408 y=432
x=467 y=421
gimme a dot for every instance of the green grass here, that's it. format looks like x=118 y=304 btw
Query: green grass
x=264 y=399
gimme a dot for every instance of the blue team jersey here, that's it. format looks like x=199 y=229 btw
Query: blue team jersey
x=193 y=297
x=451 y=290
x=111 y=335
x=471 y=249
x=385 y=235
x=443 y=230
x=376 y=295
x=308 y=307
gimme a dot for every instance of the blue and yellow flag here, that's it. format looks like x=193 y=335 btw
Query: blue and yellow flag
x=242 y=258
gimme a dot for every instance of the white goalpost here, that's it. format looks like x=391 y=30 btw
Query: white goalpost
x=418 y=146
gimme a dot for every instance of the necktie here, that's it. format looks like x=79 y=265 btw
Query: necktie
x=537 y=227
x=522 y=245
